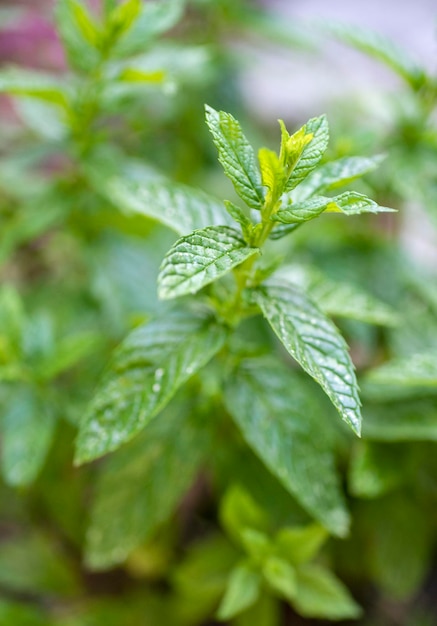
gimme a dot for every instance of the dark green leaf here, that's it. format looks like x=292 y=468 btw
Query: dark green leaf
x=401 y=420
x=141 y=484
x=146 y=371
x=315 y=343
x=236 y=156
x=281 y=423
x=201 y=258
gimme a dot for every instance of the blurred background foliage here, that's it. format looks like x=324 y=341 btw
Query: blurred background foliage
x=100 y=101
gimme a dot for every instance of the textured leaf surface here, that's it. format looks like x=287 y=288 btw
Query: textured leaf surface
x=312 y=152
x=142 y=483
x=335 y=174
x=320 y=594
x=177 y=206
x=146 y=371
x=338 y=298
x=201 y=258
x=27 y=432
x=316 y=344
x=349 y=203
x=236 y=156
x=281 y=424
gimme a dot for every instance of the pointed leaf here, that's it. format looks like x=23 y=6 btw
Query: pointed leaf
x=146 y=371
x=141 y=484
x=239 y=511
x=280 y=422
x=34 y=84
x=338 y=298
x=281 y=576
x=236 y=156
x=320 y=594
x=316 y=344
x=177 y=206
x=78 y=40
x=349 y=203
x=312 y=152
x=299 y=545
x=335 y=174
x=201 y=258
x=243 y=590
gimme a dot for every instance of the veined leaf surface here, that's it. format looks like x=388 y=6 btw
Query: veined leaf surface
x=147 y=369
x=236 y=156
x=141 y=484
x=316 y=344
x=312 y=152
x=201 y=258
x=281 y=424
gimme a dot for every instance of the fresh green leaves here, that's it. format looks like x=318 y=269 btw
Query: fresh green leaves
x=310 y=151
x=315 y=343
x=146 y=371
x=201 y=258
x=236 y=156
x=280 y=422
x=141 y=484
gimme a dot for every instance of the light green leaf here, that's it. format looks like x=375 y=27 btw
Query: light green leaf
x=236 y=156
x=418 y=370
x=238 y=511
x=156 y=17
x=146 y=371
x=122 y=17
x=271 y=169
x=322 y=595
x=316 y=344
x=299 y=545
x=201 y=258
x=177 y=206
x=349 y=203
x=335 y=174
x=382 y=49
x=243 y=590
x=34 y=84
x=338 y=298
x=312 y=151
x=27 y=431
x=405 y=420
x=281 y=576
x=280 y=422
x=78 y=34
x=141 y=484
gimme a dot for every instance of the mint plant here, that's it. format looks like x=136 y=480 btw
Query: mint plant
x=225 y=273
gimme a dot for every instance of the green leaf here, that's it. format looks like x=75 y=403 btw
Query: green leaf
x=280 y=422
x=201 y=258
x=321 y=595
x=335 y=174
x=281 y=576
x=382 y=49
x=21 y=614
x=146 y=371
x=178 y=207
x=299 y=545
x=155 y=18
x=349 y=203
x=236 y=156
x=78 y=34
x=242 y=591
x=239 y=511
x=241 y=218
x=338 y=298
x=141 y=484
x=69 y=351
x=34 y=84
x=123 y=17
x=408 y=420
x=27 y=433
x=315 y=343
x=34 y=564
x=312 y=152
x=418 y=370
x=271 y=169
